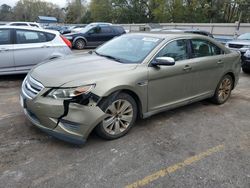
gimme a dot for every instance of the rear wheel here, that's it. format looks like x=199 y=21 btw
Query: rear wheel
x=223 y=90
x=121 y=111
x=80 y=44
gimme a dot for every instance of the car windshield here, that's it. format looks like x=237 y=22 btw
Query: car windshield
x=129 y=48
x=87 y=28
x=245 y=36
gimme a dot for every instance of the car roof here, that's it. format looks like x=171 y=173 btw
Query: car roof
x=169 y=35
x=27 y=28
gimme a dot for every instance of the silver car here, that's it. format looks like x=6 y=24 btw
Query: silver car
x=23 y=47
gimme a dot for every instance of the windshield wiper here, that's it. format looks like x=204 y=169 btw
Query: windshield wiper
x=108 y=56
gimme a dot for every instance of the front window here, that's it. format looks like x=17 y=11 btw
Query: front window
x=5 y=37
x=177 y=49
x=129 y=48
x=245 y=36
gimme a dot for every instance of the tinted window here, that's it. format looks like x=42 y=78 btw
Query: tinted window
x=34 y=25
x=20 y=24
x=203 y=48
x=106 y=30
x=119 y=29
x=50 y=36
x=177 y=49
x=5 y=37
x=24 y=37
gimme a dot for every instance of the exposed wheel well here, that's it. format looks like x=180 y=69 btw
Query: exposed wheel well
x=135 y=97
x=233 y=77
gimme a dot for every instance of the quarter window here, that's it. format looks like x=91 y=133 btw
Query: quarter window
x=177 y=49
x=203 y=48
x=5 y=37
x=25 y=37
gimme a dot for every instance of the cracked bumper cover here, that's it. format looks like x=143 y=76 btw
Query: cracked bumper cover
x=75 y=127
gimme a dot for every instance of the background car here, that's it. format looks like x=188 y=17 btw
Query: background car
x=94 y=35
x=76 y=28
x=132 y=75
x=29 y=24
x=23 y=47
x=246 y=62
x=241 y=44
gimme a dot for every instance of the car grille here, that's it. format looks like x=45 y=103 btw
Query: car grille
x=31 y=88
x=235 y=46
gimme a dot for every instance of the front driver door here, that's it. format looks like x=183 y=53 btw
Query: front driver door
x=170 y=85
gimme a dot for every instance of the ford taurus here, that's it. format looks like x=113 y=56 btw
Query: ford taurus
x=131 y=76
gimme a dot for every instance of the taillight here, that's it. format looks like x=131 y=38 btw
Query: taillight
x=66 y=41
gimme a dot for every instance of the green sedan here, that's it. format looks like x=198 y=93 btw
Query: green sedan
x=131 y=76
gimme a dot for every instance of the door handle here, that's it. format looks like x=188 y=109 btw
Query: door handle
x=219 y=62
x=45 y=46
x=187 y=67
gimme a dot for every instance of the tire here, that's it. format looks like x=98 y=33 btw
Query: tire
x=223 y=90
x=121 y=109
x=245 y=70
x=80 y=44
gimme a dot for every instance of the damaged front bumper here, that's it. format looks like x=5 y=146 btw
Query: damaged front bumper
x=72 y=122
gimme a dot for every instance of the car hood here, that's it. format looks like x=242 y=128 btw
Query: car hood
x=81 y=68
x=241 y=42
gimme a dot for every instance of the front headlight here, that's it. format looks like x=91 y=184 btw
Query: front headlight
x=69 y=93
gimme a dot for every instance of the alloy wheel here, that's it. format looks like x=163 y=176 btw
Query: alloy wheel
x=224 y=89
x=119 y=117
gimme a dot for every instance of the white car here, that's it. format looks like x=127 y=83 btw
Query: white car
x=26 y=24
x=23 y=47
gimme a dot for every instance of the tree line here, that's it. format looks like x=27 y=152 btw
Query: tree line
x=131 y=11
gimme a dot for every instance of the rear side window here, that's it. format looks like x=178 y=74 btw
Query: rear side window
x=5 y=36
x=119 y=29
x=203 y=48
x=26 y=37
x=19 y=24
x=106 y=30
x=50 y=36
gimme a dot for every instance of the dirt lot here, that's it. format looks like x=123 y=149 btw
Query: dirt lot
x=200 y=145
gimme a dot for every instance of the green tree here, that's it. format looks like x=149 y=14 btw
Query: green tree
x=75 y=11
x=29 y=10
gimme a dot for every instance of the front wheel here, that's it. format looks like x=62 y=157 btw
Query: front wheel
x=223 y=90
x=121 y=111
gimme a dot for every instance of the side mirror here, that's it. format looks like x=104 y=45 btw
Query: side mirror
x=164 y=61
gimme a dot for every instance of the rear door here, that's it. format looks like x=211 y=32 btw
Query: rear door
x=30 y=48
x=6 y=51
x=208 y=62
